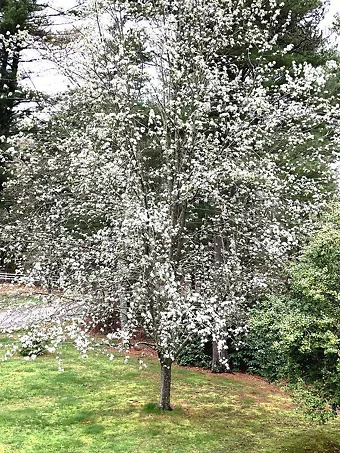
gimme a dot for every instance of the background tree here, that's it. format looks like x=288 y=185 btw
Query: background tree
x=19 y=24
x=294 y=37
x=25 y=25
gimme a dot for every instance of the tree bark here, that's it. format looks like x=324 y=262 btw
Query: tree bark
x=164 y=402
x=122 y=311
x=217 y=364
x=218 y=357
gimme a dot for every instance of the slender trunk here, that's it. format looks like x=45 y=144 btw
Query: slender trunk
x=218 y=359
x=218 y=356
x=164 y=402
x=122 y=311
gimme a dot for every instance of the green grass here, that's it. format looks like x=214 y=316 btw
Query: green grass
x=102 y=406
x=7 y=300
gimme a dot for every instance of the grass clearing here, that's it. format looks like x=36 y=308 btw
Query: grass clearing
x=7 y=301
x=12 y=295
x=99 y=406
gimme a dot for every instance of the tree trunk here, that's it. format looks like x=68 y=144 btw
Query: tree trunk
x=122 y=311
x=164 y=402
x=218 y=357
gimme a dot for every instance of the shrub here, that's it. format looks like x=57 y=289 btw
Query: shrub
x=298 y=336
x=32 y=346
x=196 y=354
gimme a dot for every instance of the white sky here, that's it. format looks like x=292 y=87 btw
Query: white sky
x=44 y=76
x=333 y=10
x=41 y=74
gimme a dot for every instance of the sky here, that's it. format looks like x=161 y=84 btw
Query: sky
x=44 y=76
x=333 y=10
x=39 y=73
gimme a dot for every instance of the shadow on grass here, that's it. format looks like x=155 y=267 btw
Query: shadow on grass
x=153 y=408
x=94 y=429
x=306 y=444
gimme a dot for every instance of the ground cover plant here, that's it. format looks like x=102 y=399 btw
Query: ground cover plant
x=97 y=405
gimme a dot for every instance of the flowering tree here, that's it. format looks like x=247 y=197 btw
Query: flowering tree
x=157 y=191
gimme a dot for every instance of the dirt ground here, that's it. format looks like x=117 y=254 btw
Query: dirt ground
x=11 y=289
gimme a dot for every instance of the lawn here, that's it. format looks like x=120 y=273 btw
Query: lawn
x=15 y=295
x=13 y=301
x=97 y=405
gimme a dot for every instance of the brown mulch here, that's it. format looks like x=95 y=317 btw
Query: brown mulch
x=12 y=289
x=143 y=351
x=263 y=390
